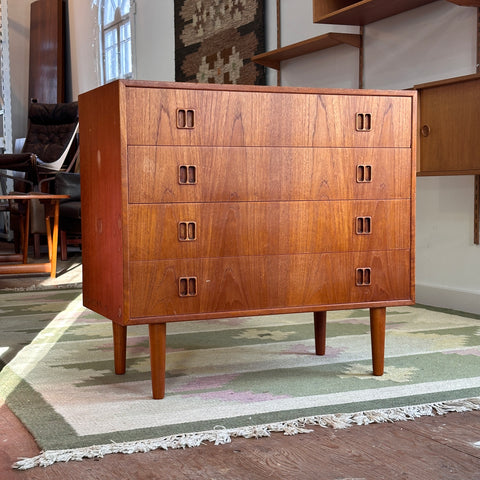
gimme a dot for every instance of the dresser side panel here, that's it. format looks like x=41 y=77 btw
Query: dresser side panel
x=101 y=179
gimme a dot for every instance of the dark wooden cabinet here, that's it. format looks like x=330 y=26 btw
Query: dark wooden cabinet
x=47 y=51
x=449 y=113
x=203 y=201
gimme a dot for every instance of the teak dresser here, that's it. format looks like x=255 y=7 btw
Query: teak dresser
x=204 y=201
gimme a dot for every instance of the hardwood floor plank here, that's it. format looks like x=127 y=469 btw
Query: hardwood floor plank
x=462 y=435
x=429 y=448
x=15 y=442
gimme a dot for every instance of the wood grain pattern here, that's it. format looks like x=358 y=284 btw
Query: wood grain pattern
x=102 y=202
x=267 y=174
x=449 y=113
x=215 y=201
x=225 y=118
x=266 y=228
x=244 y=285
x=47 y=51
x=355 y=12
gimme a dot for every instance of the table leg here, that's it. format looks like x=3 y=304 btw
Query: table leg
x=377 y=334
x=53 y=258
x=158 y=336
x=120 y=348
x=48 y=229
x=26 y=232
x=52 y=210
x=320 y=326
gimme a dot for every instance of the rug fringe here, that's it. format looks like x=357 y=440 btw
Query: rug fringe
x=220 y=435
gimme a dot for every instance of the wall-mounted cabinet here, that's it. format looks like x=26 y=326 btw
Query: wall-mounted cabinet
x=348 y=12
x=449 y=116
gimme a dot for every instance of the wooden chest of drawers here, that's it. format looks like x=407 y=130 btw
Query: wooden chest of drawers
x=203 y=201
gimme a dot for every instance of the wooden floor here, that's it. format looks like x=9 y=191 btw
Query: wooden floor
x=433 y=448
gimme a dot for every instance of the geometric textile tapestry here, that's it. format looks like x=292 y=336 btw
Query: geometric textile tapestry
x=215 y=40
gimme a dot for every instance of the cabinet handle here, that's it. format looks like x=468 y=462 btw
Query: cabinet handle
x=187 y=174
x=363 y=276
x=187 y=231
x=425 y=130
x=363 y=225
x=363 y=122
x=187 y=286
x=364 y=173
x=185 y=118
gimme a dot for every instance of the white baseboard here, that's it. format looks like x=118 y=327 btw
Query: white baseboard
x=447 y=297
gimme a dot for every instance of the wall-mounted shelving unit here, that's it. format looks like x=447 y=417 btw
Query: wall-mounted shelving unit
x=273 y=58
x=344 y=12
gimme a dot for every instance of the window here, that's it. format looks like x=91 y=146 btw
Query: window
x=116 y=27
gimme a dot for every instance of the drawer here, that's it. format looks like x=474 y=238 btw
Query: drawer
x=250 y=284
x=216 y=174
x=159 y=116
x=193 y=230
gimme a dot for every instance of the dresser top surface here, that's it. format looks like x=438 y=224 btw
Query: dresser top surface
x=255 y=88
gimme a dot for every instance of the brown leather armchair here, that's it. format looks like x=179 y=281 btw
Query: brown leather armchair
x=51 y=133
x=50 y=145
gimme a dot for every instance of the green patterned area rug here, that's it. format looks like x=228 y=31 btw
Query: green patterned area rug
x=225 y=378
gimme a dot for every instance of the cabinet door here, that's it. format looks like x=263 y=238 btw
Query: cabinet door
x=449 y=120
x=195 y=230
x=220 y=174
x=194 y=288
x=202 y=117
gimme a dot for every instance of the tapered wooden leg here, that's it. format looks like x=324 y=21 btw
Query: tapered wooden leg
x=320 y=326
x=54 y=241
x=377 y=333
x=120 y=348
x=26 y=233
x=158 y=337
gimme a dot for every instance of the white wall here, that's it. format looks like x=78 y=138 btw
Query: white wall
x=332 y=68
x=429 y=43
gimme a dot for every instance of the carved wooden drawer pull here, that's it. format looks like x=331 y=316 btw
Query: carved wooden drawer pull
x=363 y=225
x=364 y=173
x=187 y=174
x=187 y=231
x=363 y=122
x=185 y=118
x=187 y=286
x=363 y=276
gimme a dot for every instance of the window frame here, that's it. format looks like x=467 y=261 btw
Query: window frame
x=115 y=27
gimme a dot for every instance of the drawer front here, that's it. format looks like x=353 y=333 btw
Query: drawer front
x=198 y=117
x=219 y=174
x=193 y=230
x=247 y=284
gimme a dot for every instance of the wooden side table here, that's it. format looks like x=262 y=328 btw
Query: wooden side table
x=52 y=206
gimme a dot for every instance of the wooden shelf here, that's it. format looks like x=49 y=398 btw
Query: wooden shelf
x=273 y=58
x=466 y=3
x=364 y=12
